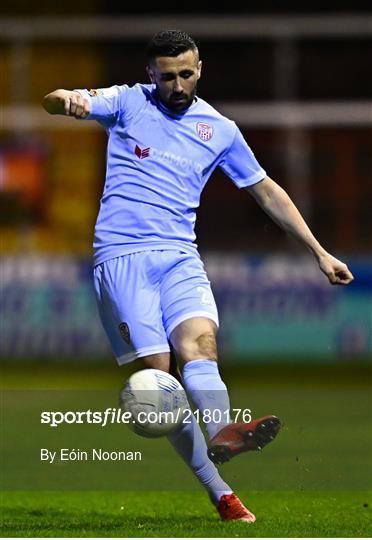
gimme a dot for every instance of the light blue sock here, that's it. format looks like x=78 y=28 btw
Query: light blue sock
x=204 y=386
x=190 y=444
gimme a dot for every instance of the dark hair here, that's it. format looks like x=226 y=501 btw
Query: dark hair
x=169 y=43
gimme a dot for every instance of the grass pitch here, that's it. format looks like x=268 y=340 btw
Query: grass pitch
x=179 y=514
x=313 y=481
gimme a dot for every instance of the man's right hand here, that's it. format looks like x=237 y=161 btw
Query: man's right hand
x=66 y=102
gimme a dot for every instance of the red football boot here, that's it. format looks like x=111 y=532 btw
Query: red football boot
x=239 y=437
x=230 y=507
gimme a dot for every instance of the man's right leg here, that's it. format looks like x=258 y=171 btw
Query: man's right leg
x=189 y=442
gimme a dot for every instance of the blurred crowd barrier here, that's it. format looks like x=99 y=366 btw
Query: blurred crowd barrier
x=271 y=308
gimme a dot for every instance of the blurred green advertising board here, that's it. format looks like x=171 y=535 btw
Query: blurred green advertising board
x=273 y=307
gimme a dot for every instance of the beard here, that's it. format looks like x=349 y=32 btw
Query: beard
x=178 y=102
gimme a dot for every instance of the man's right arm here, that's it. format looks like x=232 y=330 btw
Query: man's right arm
x=67 y=103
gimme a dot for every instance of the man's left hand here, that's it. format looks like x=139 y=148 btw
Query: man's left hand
x=336 y=271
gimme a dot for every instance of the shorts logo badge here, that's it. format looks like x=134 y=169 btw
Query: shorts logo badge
x=124 y=332
x=205 y=131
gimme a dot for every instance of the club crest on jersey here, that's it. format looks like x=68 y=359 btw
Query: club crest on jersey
x=124 y=332
x=142 y=153
x=205 y=131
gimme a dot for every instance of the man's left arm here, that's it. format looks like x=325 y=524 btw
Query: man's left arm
x=279 y=206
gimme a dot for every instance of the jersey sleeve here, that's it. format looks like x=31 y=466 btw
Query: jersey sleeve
x=240 y=164
x=105 y=103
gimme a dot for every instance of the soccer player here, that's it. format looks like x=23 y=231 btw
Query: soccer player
x=164 y=142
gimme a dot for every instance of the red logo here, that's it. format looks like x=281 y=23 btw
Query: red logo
x=205 y=131
x=142 y=153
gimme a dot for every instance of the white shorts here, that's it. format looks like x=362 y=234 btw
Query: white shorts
x=143 y=296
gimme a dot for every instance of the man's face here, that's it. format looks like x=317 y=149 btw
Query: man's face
x=176 y=78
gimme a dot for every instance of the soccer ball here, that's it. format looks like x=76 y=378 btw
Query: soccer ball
x=156 y=401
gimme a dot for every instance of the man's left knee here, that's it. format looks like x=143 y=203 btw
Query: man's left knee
x=206 y=345
x=193 y=341
x=202 y=346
